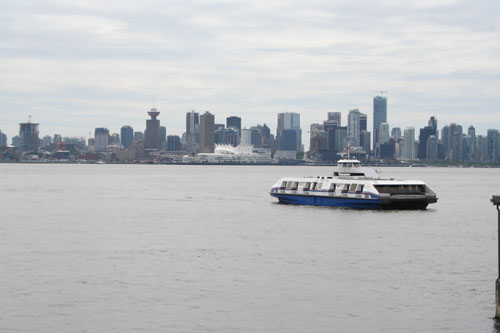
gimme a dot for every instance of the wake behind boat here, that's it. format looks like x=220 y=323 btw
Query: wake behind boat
x=353 y=185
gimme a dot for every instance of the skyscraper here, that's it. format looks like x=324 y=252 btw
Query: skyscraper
x=492 y=146
x=173 y=143
x=234 y=122
x=379 y=116
x=384 y=133
x=101 y=138
x=363 y=122
x=127 y=135
x=192 y=131
x=409 y=144
x=335 y=116
x=425 y=133
x=289 y=121
x=3 y=139
x=28 y=134
x=152 y=130
x=163 y=137
x=207 y=133
x=353 y=127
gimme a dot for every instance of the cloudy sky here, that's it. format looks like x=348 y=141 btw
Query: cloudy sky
x=76 y=65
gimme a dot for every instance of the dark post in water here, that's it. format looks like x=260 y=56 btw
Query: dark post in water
x=496 y=201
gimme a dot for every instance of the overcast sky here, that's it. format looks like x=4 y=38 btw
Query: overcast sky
x=76 y=65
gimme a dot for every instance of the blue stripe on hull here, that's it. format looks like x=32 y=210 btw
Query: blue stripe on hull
x=327 y=201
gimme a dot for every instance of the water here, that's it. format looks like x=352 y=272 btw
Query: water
x=205 y=248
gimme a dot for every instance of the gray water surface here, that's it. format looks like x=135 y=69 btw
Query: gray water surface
x=205 y=248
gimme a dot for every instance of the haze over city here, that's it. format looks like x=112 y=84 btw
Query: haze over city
x=80 y=65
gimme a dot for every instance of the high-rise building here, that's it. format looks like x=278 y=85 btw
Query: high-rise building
x=379 y=116
x=101 y=138
x=384 y=133
x=57 y=139
x=424 y=135
x=246 y=137
x=173 y=143
x=396 y=133
x=192 y=131
x=365 y=139
x=289 y=121
x=228 y=136
x=28 y=134
x=409 y=144
x=127 y=135
x=16 y=141
x=492 y=146
x=340 y=138
x=152 y=133
x=163 y=137
x=335 y=117
x=46 y=141
x=138 y=136
x=207 y=133
x=3 y=139
x=363 y=122
x=234 y=122
x=431 y=148
x=353 y=127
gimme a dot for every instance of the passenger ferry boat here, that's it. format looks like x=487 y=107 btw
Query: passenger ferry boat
x=353 y=185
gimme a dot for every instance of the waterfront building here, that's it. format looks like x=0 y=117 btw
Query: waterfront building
x=408 y=152
x=101 y=139
x=335 y=117
x=127 y=136
x=28 y=134
x=174 y=143
x=289 y=121
x=492 y=138
x=152 y=134
x=353 y=127
x=163 y=137
x=207 y=133
x=379 y=116
x=192 y=132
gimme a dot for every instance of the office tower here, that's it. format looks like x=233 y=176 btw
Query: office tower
x=379 y=116
x=353 y=127
x=234 y=122
x=409 y=143
x=101 y=138
x=396 y=133
x=3 y=139
x=384 y=133
x=455 y=142
x=163 y=137
x=256 y=136
x=431 y=148
x=192 y=131
x=266 y=135
x=46 y=141
x=138 y=136
x=365 y=139
x=482 y=148
x=318 y=139
x=424 y=135
x=228 y=136
x=16 y=141
x=57 y=139
x=289 y=121
x=289 y=140
x=335 y=117
x=207 y=133
x=152 y=134
x=492 y=146
x=28 y=134
x=114 y=139
x=127 y=136
x=471 y=131
x=246 y=137
x=219 y=127
x=340 y=138
x=363 y=122
x=173 y=143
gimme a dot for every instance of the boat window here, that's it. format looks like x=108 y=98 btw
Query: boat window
x=360 y=188
x=301 y=184
x=345 y=188
x=283 y=185
x=307 y=186
x=353 y=188
x=295 y=185
x=314 y=186
x=332 y=187
x=289 y=185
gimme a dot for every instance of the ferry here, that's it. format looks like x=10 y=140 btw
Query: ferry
x=354 y=186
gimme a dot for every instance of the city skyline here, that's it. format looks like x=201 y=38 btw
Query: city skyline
x=75 y=66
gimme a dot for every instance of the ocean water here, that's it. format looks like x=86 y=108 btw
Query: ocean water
x=158 y=248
